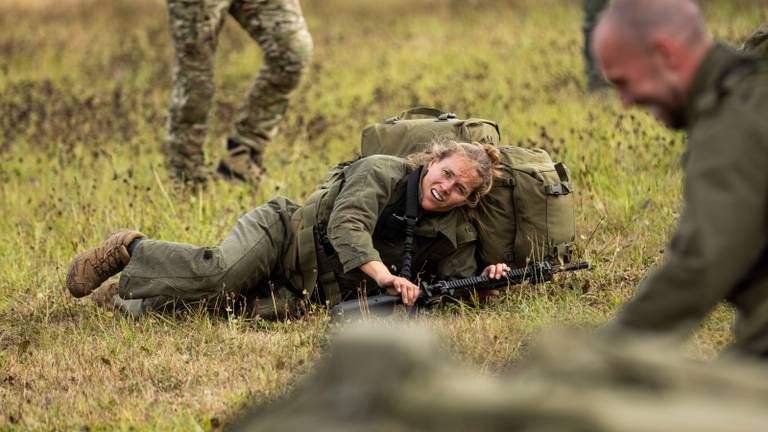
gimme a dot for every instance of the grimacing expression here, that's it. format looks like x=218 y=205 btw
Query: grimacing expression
x=642 y=78
x=448 y=183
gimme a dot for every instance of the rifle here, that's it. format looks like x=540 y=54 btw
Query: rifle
x=431 y=294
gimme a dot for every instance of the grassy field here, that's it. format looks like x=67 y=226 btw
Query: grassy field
x=84 y=87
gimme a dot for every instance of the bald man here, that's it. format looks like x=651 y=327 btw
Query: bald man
x=658 y=56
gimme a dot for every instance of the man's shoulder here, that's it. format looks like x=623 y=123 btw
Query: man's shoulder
x=733 y=129
x=747 y=84
x=742 y=100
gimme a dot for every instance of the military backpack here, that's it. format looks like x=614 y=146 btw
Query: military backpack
x=403 y=134
x=529 y=213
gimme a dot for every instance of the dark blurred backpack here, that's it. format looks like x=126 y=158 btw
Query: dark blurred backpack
x=529 y=213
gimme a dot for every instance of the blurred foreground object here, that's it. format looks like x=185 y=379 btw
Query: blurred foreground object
x=397 y=379
x=758 y=42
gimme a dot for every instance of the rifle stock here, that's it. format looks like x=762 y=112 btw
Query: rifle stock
x=432 y=293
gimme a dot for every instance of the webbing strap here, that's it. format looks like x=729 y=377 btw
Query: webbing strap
x=562 y=188
x=411 y=216
x=560 y=168
x=304 y=221
x=421 y=110
x=329 y=285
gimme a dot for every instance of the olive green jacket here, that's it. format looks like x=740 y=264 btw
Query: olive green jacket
x=719 y=249
x=348 y=222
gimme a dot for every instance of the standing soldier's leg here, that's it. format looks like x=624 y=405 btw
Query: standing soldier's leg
x=758 y=42
x=195 y=26
x=592 y=9
x=279 y=28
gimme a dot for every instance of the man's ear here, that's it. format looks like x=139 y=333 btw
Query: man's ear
x=666 y=51
x=431 y=162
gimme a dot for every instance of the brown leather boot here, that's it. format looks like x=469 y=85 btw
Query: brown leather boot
x=241 y=163
x=102 y=296
x=91 y=268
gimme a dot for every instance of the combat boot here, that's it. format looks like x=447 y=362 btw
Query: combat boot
x=91 y=268
x=103 y=295
x=241 y=163
x=188 y=173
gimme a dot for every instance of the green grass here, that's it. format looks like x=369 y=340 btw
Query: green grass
x=84 y=87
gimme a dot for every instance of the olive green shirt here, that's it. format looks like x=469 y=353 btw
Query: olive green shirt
x=347 y=211
x=718 y=251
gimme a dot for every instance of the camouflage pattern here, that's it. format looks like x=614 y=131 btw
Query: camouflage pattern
x=278 y=27
x=592 y=10
x=758 y=41
x=379 y=378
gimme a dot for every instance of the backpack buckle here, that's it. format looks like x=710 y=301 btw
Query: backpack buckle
x=556 y=189
x=446 y=116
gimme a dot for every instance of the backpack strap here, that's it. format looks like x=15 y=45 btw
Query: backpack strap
x=411 y=216
x=562 y=188
x=435 y=113
x=421 y=110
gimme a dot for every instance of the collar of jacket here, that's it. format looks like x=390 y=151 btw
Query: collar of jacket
x=704 y=93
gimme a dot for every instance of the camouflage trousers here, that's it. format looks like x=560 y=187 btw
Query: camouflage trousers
x=592 y=10
x=278 y=27
x=758 y=41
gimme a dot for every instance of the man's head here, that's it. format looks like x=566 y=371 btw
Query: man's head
x=649 y=50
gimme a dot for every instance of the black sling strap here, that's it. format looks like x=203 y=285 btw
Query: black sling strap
x=411 y=216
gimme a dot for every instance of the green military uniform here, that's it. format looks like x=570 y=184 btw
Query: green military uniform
x=375 y=379
x=758 y=41
x=280 y=30
x=353 y=219
x=592 y=10
x=720 y=248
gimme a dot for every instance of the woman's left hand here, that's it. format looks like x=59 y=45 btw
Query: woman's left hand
x=496 y=271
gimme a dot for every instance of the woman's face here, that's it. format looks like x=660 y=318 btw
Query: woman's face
x=448 y=183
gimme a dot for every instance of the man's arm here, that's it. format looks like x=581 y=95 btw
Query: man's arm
x=720 y=234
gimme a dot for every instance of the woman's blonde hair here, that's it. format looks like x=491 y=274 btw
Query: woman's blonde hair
x=484 y=158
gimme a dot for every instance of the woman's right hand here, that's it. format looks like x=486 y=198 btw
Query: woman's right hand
x=395 y=285
x=392 y=284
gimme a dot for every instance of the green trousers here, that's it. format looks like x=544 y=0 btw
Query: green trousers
x=162 y=273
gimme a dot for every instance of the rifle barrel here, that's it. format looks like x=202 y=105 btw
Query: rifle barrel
x=584 y=265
